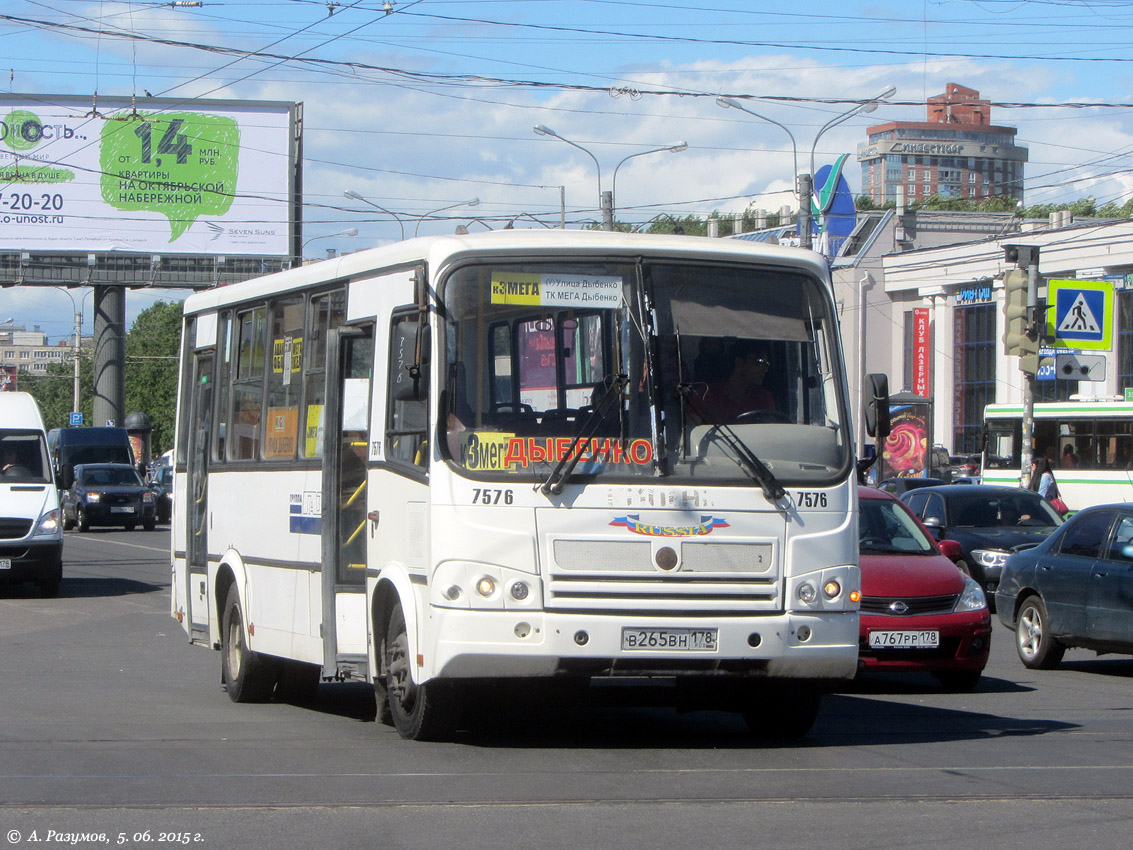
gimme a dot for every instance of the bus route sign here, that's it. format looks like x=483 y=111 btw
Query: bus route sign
x=1081 y=314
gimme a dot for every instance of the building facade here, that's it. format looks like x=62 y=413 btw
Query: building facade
x=956 y=152
x=27 y=351
x=958 y=290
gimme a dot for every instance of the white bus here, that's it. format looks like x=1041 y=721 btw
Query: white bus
x=451 y=461
x=1089 y=443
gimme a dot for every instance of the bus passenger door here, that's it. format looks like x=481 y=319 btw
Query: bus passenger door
x=345 y=498
x=196 y=511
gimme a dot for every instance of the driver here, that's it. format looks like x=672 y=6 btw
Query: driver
x=741 y=390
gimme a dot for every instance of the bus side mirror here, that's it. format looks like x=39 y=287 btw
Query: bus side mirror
x=409 y=365
x=877 y=406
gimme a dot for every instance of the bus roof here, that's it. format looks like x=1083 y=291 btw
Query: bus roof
x=438 y=251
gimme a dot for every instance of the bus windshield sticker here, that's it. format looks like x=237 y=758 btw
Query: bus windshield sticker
x=493 y=451
x=602 y=292
x=484 y=450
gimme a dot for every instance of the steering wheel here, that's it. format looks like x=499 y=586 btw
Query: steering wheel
x=755 y=417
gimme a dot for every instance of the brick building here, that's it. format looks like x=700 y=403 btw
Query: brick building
x=955 y=153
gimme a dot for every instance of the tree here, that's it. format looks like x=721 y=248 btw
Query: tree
x=152 y=346
x=54 y=389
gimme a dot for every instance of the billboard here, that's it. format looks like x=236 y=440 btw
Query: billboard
x=906 y=452
x=172 y=176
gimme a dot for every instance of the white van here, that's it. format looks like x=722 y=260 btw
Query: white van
x=31 y=528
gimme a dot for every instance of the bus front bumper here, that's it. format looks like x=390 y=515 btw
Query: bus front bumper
x=501 y=644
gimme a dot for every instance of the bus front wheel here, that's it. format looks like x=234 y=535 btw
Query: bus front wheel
x=248 y=676
x=419 y=712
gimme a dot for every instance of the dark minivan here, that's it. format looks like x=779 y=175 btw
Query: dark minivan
x=72 y=446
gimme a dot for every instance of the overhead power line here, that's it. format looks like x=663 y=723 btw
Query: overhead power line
x=502 y=82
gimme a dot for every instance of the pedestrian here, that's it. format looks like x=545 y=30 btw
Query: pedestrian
x=1043 y=483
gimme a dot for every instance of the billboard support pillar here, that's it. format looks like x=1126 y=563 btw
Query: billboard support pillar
x=109 y=355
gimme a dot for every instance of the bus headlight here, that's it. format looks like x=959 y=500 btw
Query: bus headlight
x=486 y=587
x=833 y=589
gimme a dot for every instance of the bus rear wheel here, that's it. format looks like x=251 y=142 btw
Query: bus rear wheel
x=425 y=712
x=248 y=676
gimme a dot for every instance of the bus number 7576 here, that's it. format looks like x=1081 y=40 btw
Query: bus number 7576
x=492 y=497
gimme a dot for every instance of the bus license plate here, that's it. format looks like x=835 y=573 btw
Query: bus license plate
x=680 y=640
x=121 y=510
x=904 y=640
x=5 y=563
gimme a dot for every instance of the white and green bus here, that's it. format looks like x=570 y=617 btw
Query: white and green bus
x=1089 y=443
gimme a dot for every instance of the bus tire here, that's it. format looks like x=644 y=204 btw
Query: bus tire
x=419 y=712
x=248 y=676
x=781 y=713
x=1037 y=647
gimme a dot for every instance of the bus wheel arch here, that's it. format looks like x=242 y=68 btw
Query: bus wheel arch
x=425 y=711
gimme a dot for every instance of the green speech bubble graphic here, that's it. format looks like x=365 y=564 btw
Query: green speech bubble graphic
x=180 y=164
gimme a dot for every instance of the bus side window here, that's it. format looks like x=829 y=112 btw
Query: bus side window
x=327 y=312
x=245 y=433
x=407 y=419
x=225 y=350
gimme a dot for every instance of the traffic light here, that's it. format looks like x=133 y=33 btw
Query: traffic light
x=1019 y=338
x=1022 y=255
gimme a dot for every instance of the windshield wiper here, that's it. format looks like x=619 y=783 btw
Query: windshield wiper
x=612 y=392
x=743 y=456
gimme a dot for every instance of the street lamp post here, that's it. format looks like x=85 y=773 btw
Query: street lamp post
x=354 y=196
x=606 y=199
x=607 y=213
x=78 y=312
x=350 y=231
x=804 y=186
x=675 y=147
x=471 y=202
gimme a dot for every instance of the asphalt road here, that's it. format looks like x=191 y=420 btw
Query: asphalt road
x=115 y=731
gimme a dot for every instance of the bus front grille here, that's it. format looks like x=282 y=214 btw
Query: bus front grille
x=616 y=575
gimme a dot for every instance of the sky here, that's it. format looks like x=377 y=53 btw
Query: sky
x=423 y=104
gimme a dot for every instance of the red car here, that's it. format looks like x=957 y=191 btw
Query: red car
x=919 y=613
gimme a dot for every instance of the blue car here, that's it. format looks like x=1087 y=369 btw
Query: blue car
x=1075 y=589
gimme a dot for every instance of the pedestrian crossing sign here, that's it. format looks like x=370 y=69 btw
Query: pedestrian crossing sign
x=1080 y=314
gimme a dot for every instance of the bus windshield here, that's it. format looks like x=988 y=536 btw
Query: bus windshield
x=631 y=370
